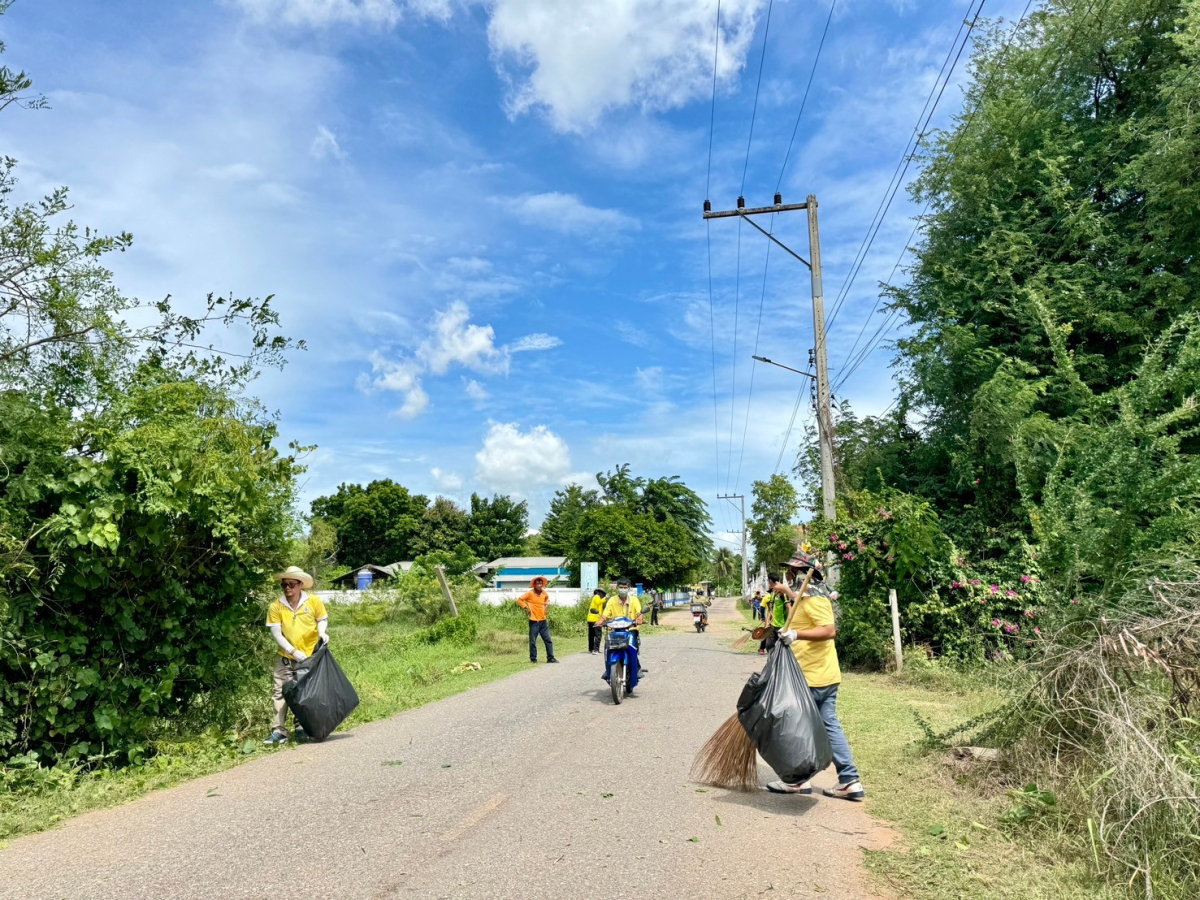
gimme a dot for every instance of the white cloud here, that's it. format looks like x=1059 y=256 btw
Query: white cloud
x=456 y=340
x=475 y=390
x=401 y=376
x=446 y=481
x=536 y=341
x=568 y=214
x=650 y=379
x=453 y=341
x=353 y=12
x=515 y=462
x=579 y=60
x=325 y=144
x=632 y=334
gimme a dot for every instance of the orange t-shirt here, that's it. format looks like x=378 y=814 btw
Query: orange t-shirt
x=535 y=604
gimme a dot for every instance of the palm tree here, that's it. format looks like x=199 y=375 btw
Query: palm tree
x=724 y=562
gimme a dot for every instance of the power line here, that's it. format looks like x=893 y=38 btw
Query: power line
x=738 y=278
x=927 y=112
x=804 y=101
x=708 y=235
x=1045 y=235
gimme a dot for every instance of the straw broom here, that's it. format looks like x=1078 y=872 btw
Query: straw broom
x=729 y=758
x=741 y=642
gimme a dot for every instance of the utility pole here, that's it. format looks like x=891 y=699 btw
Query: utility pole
x=745 y=572
x=824 y=419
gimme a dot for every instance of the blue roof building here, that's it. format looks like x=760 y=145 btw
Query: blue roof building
x=511 y=572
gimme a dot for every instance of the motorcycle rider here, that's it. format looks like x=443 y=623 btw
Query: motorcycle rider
x=624 y=605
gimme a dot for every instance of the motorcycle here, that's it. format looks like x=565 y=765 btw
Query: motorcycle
x=699 y=616
x=620 y=652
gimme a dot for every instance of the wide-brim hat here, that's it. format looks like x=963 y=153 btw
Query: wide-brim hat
x=536 y=578
x=804 y=561
x=294 y=573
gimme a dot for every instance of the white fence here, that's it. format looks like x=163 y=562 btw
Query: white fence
x=492 y=597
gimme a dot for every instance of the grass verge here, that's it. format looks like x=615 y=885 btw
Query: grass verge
x=388 y=671
x=955 y=837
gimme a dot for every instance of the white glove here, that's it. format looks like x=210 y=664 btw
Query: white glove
x=787 y=636
x=299 y=655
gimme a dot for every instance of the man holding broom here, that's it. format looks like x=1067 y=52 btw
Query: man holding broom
x=812 y=641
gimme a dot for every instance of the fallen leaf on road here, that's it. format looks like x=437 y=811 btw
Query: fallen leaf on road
x=606 y=796
x=446 y=766
x=693 y=840
x=212 y=792
x=718 y=820
x=701 y=790
x=394 y=762
x=936 y=831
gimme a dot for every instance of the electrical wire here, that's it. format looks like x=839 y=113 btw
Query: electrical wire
x=872 y=345
x=927 y=113
x=804 y=101
x=708 y=240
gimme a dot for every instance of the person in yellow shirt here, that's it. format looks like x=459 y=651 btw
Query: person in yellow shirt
x=811 y=637
x=595 y=610
x=298 y=623
x=536 y=602
x=625 y=605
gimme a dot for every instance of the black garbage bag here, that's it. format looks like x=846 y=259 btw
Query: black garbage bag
x=320 y=696
x=778 y=713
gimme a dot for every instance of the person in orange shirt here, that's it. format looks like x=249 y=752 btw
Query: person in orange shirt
x=536 y=602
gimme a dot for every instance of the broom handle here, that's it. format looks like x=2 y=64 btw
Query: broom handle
x=799 y=597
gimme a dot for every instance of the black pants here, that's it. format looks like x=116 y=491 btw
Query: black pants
x=654 y=616
x=594 y=633
x=540 y=628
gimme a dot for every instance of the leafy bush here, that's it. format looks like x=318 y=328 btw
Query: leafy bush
x=150 y=526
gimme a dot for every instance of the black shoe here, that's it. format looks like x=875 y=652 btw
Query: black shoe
x=551 y=659
x=534 y=661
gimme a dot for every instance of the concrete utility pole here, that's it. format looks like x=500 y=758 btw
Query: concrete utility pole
x=745 y=572
x=824 y=418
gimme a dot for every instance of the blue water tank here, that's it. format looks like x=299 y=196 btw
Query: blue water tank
x=365 y=577
x=640 y=591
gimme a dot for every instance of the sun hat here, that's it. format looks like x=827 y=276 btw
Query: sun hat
x=804 y=561
x=536 y=579
x=294 y=573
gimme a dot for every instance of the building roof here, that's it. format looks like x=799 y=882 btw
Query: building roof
x=521 y=562
x=379 y=571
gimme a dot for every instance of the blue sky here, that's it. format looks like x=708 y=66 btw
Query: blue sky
x=484 y=217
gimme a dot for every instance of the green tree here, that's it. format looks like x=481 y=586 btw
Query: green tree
x=558 y=532
x=444 y=525
x=772 y=512
x=496 y=527
x=380 y=523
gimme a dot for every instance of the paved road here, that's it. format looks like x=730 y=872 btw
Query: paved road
x=532 y=787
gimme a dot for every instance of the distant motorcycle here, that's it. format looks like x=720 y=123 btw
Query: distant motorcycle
x=699 y=616
x=620 y=654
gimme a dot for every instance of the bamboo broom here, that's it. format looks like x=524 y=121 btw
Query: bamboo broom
x=729 y=758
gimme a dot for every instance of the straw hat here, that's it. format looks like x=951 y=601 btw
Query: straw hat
x=294 y=573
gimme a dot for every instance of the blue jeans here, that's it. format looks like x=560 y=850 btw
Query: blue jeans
x=826 y=700
x=540 y=628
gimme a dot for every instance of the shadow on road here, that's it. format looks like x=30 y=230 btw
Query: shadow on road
x=764 y=801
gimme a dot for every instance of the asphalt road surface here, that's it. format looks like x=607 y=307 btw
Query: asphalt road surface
x=535 y=786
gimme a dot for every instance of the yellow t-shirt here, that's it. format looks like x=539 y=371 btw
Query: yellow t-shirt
x=614 y=609
x=818 y=659
x=596 y=609
x=299 y=627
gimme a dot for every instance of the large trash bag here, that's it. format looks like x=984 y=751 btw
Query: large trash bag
x=320 y=695
x=778 y=713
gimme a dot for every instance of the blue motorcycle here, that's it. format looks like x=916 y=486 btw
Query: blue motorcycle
x=620 y=658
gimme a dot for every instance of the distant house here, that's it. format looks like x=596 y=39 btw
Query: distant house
x=352 y=580
x=517 y=571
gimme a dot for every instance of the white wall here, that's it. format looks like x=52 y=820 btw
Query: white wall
x=558 y=596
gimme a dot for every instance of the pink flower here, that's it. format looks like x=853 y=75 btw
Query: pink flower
x=833 y=537
x=1010 y=593
x=847 y=556
x=891 y=559
x=995 y=623
x=959 y=560
x=995 y=588
x=1074 y=600
x=954 y=584
x=1025 y=578
x=976 y=582
x=977 y=481
x=1036 y=630
x=1029 y=613
x=841 y=545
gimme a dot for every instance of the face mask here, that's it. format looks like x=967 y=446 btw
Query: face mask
x=622 y=593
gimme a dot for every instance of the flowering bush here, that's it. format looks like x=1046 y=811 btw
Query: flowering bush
x=958 y=608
